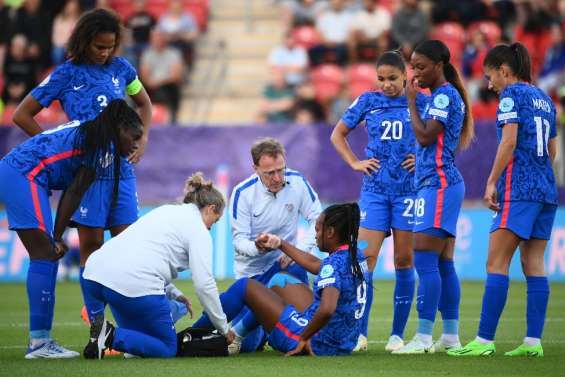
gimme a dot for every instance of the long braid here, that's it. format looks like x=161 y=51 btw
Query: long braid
x=99 y=138
x=345 y=218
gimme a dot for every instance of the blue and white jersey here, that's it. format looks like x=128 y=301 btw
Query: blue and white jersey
x=529 y=175
x=339 y=336
x=391 y=139
x=255 y=210
x=85 y=89
x=435 y=164
x=50 y=158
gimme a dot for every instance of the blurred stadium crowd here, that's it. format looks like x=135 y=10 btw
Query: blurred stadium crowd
x=325 y=59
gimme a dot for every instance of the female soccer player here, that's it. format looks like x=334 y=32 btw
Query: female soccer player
x=521 y=189
x=85 y=85
x=443 y=127
x=66 y=158
x=132 y=271
x=388 y=192
x=324 y=322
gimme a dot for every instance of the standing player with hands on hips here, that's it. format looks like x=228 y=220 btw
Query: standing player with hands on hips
x=388 y=192
x=521 y=189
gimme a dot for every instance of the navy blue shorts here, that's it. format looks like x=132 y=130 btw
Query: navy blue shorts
x=526 y=219
x=96 y=209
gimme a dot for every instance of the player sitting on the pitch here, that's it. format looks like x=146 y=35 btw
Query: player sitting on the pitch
x=323 y=322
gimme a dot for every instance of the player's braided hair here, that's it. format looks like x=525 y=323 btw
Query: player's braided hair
x=199 y=191
x=99 y=140
x=515 y=55
x=88 y=26
x=437 y=52
x=345 y=219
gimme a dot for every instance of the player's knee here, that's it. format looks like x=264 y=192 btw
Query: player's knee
x=170 y=348
x=403 y=260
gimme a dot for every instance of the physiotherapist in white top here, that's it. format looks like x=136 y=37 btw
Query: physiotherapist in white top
x=271 y=201
x=133 y=272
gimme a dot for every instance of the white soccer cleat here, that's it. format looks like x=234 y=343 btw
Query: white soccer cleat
x=394 y=342
x=415 y=347
x=362 y=344
x=50 y=350
x=440 y=346
x=235 y=347
x=131 y=356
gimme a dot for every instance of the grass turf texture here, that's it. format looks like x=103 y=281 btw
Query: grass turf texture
x=72 y=333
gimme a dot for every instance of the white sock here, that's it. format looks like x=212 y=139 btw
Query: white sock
x=483 y=340
x=532 y=341
x=425 y=338
x=449 y=339
x=34 y=343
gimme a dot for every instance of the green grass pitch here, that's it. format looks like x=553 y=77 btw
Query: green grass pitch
x=69 y=331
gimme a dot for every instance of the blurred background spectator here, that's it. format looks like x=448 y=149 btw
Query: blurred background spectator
x=410 y=26
x=369 y=32
x=161 y=72
x=290 y=60
x=20 y=71
x=179 y=29
x=63 y=26
x=333 y=24
x=277 y=102
x=139 y=23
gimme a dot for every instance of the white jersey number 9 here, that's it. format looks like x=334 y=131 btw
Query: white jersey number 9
x=361 y=299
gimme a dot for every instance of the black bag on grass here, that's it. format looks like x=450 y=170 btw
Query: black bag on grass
x=194 y=342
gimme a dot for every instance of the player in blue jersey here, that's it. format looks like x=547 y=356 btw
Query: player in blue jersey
x=324 y=322
x=521 y=189
x=66 y=158
x=85 y=85
x=388 y=192
x=445 y=126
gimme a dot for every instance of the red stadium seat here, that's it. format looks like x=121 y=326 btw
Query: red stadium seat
x=160 y=115
x=490 y=29
x=327 y=80
x=306 y=36
x=124 y=8
x=361 y=78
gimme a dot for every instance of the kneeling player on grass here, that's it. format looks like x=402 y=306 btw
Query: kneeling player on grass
x=323 y=322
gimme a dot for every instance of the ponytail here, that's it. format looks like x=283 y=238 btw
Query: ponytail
x=515 y=56
x=202 y=193
x=345 y=219
x=437 y=52
x=468 y=131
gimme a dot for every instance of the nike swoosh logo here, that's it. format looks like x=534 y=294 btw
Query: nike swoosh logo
x=78 y=87
x=415 y=222
x=375 y=111
x=254 y=215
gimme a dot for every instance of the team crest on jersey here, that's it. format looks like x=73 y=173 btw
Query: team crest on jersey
x=441 y=101
x=83 y=211
x=327 y=271
x=45 y=81
x=289 y=207
x=363 y=215
x=506 y=104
